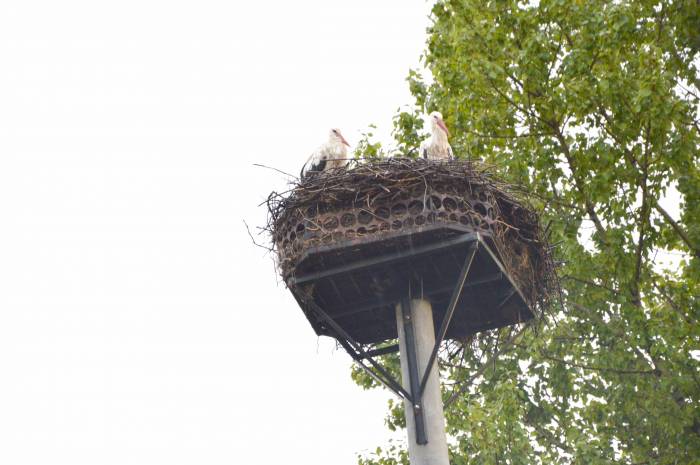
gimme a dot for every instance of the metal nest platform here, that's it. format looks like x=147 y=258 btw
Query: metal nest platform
x=359 y=287
x=353 y=243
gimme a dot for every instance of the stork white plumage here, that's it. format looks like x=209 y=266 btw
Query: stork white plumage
x=332 y=154
x=437 y=147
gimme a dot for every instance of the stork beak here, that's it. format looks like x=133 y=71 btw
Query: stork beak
x=441 y=123
x=342 y=139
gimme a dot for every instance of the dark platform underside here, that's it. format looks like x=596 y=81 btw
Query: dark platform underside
x=358 y=282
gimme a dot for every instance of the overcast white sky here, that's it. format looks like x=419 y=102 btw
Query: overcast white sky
x=138 y=324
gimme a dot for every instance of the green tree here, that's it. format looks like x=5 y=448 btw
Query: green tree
x=593 y=105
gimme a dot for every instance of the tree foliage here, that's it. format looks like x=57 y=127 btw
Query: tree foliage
x=592 y=104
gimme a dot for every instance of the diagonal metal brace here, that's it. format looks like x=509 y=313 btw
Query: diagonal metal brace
x=454 y=299
x=387 y=382
x=360 y=355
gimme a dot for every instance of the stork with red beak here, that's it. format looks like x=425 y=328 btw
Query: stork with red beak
x=332 y=154
x=437 y=147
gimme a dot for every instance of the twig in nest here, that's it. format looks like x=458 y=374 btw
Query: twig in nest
x=247 y=228
x=275 y=169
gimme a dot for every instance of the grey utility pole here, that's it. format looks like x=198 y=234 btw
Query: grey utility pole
x=425 y=420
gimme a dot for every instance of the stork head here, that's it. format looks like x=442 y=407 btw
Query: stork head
x=436 y=122
x=336 y=137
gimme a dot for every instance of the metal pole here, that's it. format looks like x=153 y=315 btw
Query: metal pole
x=430 y=446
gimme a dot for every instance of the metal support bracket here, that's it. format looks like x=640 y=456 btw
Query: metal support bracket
x=449 y=313
x=356 y=351
x=417 y=381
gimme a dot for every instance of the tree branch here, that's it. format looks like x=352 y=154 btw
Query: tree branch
x=547 y=356
x=591 y=283
x=672 y=304
x=629 y=156
x=579 y=185
x=677 y=228
x=643 y=219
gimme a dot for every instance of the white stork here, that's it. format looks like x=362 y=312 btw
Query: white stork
x=437 y=147
x=332 y=154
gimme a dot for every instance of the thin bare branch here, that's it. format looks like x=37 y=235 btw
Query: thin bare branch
x=677 y=228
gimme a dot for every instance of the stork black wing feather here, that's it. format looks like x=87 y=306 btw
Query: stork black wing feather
x=320 y=166
x=314 y=168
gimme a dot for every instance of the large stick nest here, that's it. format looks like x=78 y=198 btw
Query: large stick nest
x=466 y=192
